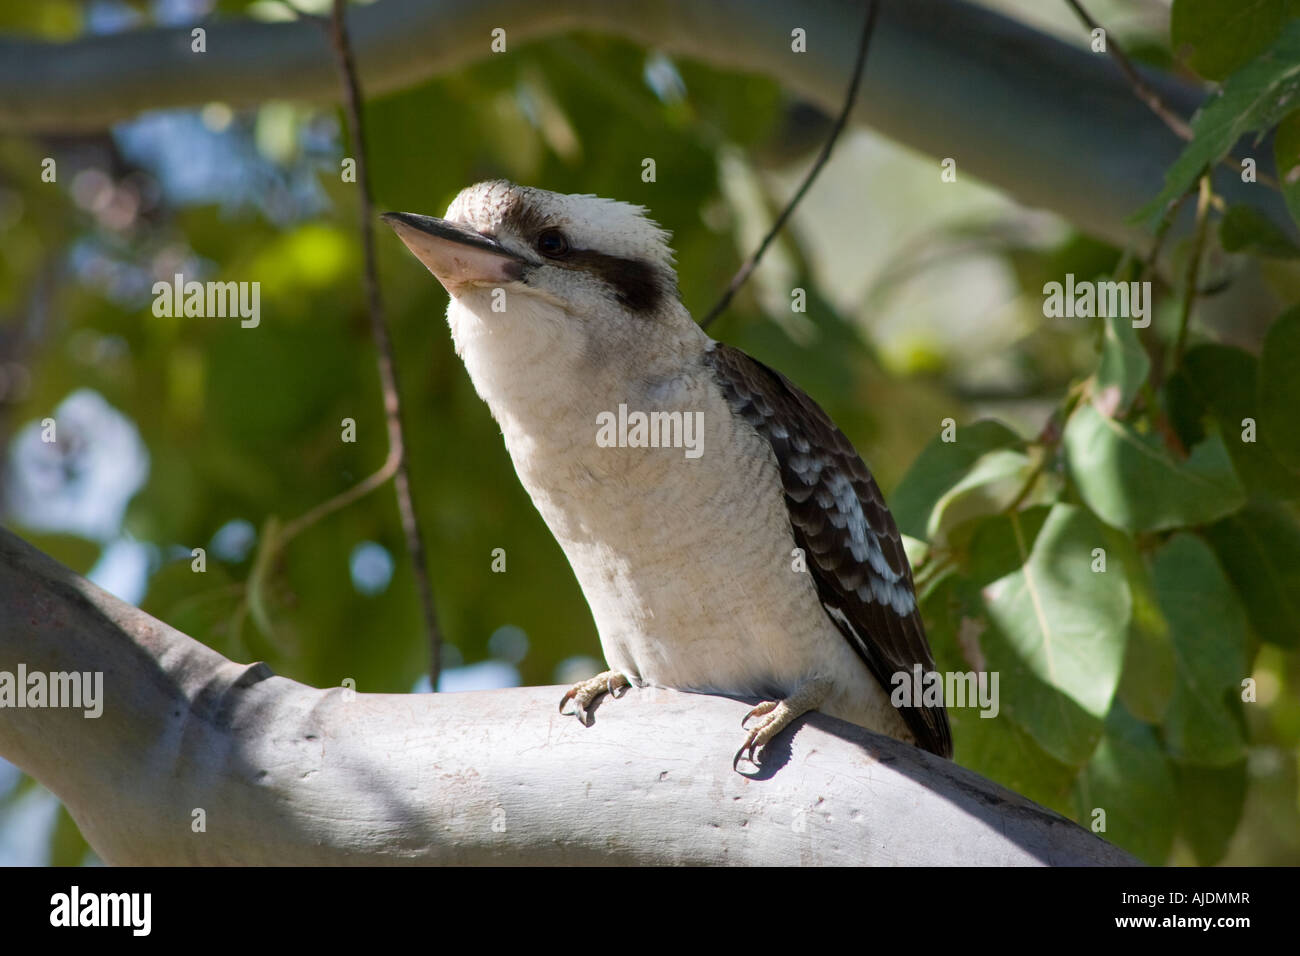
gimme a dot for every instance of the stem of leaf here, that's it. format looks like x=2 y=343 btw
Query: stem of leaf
x=1193 y=267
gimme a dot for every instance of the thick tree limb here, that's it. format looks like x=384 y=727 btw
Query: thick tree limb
x=287 y=774
x=1051 y=124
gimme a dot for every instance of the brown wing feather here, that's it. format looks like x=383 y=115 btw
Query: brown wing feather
x=860 y=568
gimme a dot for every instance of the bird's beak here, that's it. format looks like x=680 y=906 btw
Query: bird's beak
x=456 y=255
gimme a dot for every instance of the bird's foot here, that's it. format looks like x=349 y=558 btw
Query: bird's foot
x=585 y=692
x=776 y=716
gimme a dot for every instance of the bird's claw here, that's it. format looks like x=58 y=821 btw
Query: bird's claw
x=584 y=694
x=581 y=702
x=766 y=707
x=747 y=745
x=776 y=720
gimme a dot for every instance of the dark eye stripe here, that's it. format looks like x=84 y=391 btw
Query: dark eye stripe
x=637 y=284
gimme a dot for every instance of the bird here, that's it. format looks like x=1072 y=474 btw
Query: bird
x=727 y=537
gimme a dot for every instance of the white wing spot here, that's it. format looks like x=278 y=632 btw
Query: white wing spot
x=863 y=544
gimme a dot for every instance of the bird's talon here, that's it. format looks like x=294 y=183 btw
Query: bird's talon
x=584 y=694
x=760 y=710
x=747 y=745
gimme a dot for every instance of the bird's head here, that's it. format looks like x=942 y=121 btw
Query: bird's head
x=590 y=256
x=557 y=301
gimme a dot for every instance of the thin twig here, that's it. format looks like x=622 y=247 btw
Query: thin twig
x=1144 y=92
x=1162 y=231
x=1151 y=98
x=1049 y=439
x=396 y=463
x=362 y=488
x=1147 y=336
x=743 y=273
x=1193 y=269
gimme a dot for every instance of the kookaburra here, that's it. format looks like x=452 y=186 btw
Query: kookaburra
x=760 y=559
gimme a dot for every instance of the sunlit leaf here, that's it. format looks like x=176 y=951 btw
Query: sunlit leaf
x=939 y=467
x=994 y=746
x=1124 y=363
x=1131 y=482
x=1056 y=627
x=1150 y=667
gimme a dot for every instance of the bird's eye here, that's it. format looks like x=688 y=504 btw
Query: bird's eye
x=552 y=244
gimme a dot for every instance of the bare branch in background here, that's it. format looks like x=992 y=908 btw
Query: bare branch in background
x=383 y=342
x=1149 y=96
x=851 y=94
x=1020 y=110
x=395 y=466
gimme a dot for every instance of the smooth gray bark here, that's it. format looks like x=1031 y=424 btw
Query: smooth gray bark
x=288 y=774
x=1051 y=124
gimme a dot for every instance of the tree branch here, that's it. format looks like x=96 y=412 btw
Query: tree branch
x=352 y=110
x=1049 y=123
x=287 y=774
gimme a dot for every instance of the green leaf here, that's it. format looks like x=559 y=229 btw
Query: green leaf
x=1124 y=363
x=990 y=486
x=1247 y=229
x=1133 y=483
x=1132 y=780
x=1215 y=37
x=992 y=746
x=1146 y=683
x=1210 y=801
x=1286 y=157
x=1208 y=627
x=1279 y=388
x=1056 y=627
x=1259 y=548
x=1000 y=750
x=1222 y=382
x=939 y=467
x=1254 y=98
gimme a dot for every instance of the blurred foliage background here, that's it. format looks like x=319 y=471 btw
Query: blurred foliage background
x=1120 y=689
